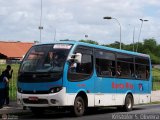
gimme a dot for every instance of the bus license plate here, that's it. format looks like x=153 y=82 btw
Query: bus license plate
x=33 y=98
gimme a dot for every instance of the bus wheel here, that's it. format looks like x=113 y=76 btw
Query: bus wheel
x=128 y=103
x=79 y=106
x=37 y=111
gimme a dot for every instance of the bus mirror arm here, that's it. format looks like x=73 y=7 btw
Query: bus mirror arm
x=76 y=58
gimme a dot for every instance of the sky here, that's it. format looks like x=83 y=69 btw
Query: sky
x=73 y=19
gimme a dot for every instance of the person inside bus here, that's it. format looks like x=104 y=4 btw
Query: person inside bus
x=73 y=67
x=147 y=73
x=111 y=70
x=48 y=62
x=107 y=71
x=53 y=59
x=58 y=61
x=137 y=75
x=119 y=70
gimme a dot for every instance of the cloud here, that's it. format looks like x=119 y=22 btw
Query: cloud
x=73 y=19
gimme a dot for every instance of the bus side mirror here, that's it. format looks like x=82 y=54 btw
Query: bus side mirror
x=77 y=58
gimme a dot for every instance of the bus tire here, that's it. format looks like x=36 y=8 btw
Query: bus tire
x=37 y=111
x=128 y=103
x=79 y=106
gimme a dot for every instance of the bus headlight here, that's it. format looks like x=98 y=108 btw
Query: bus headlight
x=55 y=89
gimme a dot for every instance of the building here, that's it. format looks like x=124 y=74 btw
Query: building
x=11 y=52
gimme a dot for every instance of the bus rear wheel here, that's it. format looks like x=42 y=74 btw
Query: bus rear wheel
x=79 y=106
x=128 y=103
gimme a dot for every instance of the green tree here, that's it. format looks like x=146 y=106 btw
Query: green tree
x=149 y=46
x=116 y=44
x=158 y=51
x=89 y=41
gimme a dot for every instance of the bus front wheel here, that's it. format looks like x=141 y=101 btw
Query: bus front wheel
x=79 y=106
x=128 y=103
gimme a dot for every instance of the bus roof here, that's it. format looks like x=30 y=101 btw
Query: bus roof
x=97 y=46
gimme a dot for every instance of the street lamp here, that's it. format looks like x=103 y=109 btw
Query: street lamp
x=86 y=36
x=133 y=37
x=140 y=31
x=55 y=33
x=40 y=26
x=119 y=27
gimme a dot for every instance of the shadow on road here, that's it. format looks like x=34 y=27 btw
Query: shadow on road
x=68 y=115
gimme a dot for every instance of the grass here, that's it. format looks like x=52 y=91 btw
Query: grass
x=156 y=74
x=156 y=78
x=157 y=102
x=15 y=67
x=156 y=85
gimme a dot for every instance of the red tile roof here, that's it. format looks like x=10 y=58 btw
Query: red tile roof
x=14 y=49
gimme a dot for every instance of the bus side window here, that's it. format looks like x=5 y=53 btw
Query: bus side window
x=141 y=71
x=142 y=68
x=119 y=71
x=132 y=74
x=147 y=72
x=83 y=70
x=105 y=63
x=125 y=66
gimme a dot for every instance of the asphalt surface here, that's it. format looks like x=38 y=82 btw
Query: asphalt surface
x=140 y=112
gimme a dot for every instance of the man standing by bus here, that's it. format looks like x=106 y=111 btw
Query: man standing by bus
x=7 y=75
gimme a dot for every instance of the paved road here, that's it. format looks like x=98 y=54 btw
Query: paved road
x=142 y=112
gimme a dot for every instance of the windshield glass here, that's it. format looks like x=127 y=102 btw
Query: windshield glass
x=46 y=58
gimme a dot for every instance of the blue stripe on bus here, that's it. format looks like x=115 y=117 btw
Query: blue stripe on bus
x=108 y=85
x=93 y=85
x=39 y=86
x=138 y=87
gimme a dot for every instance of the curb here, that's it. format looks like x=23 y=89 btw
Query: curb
x=8 y=110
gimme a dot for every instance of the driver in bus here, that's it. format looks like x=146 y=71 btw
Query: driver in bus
x=73 y=67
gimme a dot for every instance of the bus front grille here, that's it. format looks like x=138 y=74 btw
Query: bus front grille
x=35 y=92
x=39 y=101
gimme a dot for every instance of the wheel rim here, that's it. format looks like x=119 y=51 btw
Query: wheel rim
x=129 y=103
x=79 y=106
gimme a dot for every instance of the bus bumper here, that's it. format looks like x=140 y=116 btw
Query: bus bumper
x=42 y=100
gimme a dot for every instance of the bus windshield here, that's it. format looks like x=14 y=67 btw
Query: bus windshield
x=46 y=58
